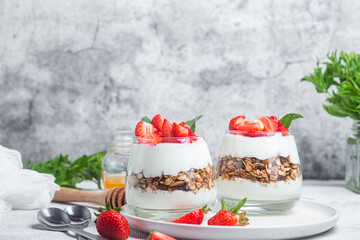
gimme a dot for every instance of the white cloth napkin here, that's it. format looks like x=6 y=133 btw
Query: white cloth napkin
x=23 y=188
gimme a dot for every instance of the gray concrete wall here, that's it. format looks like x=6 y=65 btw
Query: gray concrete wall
x=73 y=71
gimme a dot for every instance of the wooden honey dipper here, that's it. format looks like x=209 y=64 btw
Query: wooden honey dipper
x=115 y=196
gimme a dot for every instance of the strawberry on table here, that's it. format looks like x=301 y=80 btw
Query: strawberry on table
x=158 y=121
x=230 y=217
x=194 y=217
x=148 y=132
x=155 y=235
x=112 y=225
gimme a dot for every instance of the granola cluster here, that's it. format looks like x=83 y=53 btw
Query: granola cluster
x=273 y=169
x=192 y=180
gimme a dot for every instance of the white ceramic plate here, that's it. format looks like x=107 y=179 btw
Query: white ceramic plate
x=307 y=218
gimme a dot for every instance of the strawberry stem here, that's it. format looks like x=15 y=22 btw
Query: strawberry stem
x=235 y=209
x=223 y=205
x=151 y=233
x=205 y=209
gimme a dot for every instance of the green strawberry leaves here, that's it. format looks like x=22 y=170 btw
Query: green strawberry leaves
x=288 y=118
x=107 y=208
x=235 y=209
x=243 y=220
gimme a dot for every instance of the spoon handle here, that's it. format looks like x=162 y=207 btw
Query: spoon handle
x=87 y=234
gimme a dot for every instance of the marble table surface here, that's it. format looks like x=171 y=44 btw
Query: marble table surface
x=20 y=224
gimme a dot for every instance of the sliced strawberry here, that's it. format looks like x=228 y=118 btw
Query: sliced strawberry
x=158 y=121
x=270 y=125
x=191 y=134
x=167 y=129
x=236 y=121
x=250 y=127
x=279 y=124
x=194 y=217
x=183 y=124
x=180 y=131
x=284 y=130
x=148 y=133
x=193 y=137
x=155 y=235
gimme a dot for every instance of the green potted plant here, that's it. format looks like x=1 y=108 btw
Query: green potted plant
x=339 y=78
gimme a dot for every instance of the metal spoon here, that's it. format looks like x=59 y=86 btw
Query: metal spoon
x=80 y=217
x=57 y=220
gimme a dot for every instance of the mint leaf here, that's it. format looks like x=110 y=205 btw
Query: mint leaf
x=288 y=118
x=146 y=119
x=192 y=123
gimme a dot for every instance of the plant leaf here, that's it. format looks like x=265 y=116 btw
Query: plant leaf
x=68 y=174
x=340 y=80
x=146 y=119
x=288 y=118
x=192 y=123
x=27 y=164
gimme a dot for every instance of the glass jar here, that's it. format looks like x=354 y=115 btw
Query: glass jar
x=262 y=166
x=352 y=175
x=168 y=179
x=115 y=161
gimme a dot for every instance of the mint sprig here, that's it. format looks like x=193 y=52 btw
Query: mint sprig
x=288 y=118
x=192 y=123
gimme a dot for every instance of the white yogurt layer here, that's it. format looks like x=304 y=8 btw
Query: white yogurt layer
x=241 y=188
x=260 y=147
x=164 y=200
x=168 y=158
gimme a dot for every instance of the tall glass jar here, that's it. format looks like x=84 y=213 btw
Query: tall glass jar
x=115 y=161
x=262 y=166
x=168 y=179
x=352 y=175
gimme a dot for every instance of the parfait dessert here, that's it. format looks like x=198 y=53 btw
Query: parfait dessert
x=170 y=168
x=259 y=160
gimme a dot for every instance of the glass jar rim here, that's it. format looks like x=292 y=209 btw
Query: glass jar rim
x=258 y=133
x=171 y=138
x=121 y=138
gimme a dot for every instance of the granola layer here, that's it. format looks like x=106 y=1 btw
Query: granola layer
x=191 y=180
x=270 y=170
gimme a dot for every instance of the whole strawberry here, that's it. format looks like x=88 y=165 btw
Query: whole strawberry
x=194 y=217
x=230 y=217
x=112 y=225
